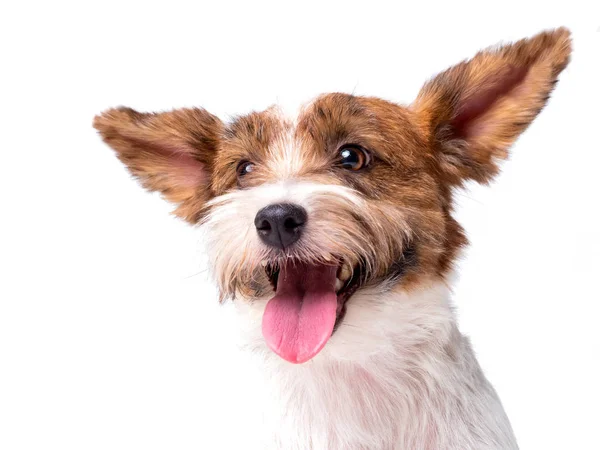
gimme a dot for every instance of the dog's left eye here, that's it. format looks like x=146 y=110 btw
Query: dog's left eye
x=354 y=157
x=244 y=168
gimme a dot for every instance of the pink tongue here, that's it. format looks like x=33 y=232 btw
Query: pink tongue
x=299 y=320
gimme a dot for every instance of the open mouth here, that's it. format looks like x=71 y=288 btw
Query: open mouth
x=309 y=303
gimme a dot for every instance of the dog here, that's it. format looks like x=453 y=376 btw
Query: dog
x=332 y=232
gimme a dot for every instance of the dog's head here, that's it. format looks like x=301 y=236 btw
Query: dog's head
x=354 y=193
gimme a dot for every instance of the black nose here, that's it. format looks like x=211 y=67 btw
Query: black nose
x=280 y=225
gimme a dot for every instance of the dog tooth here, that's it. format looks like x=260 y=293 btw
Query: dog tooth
x=264 y=263
x=339 y=284
x=327 y=257
x=346 y=272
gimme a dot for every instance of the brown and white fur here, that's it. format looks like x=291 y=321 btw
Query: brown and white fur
x=396 y=373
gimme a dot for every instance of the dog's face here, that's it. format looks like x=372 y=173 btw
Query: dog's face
x=354 y=193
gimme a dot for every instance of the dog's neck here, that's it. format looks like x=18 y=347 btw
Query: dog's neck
x=377 y=382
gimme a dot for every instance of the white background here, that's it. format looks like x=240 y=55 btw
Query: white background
x=110 y=334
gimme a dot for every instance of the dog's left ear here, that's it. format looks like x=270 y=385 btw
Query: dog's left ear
x=474 y=111
x=170 y=152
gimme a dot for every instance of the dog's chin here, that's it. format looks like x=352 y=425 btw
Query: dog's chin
x=308 y=305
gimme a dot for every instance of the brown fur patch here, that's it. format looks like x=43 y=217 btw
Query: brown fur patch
x=399 y=178
x=248 y=138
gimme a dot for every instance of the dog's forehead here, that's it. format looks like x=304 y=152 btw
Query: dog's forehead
x=286 y=140
x=303 y=135
x=301 y=142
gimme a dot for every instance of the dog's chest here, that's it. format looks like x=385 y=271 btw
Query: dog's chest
x=330 y=406
x=407 y=381
x=384 y=404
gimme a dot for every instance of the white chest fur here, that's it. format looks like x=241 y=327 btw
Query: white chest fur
x=396 y=375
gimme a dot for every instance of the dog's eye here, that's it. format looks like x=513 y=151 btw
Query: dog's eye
x=244 y=168
x=354 y=157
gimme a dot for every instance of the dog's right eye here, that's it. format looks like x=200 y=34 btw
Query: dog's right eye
x=244 y=168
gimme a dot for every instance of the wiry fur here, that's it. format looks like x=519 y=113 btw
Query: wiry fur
x=332 y=234
x=397 y=373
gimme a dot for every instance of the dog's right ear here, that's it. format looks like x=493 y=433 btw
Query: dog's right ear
x=170 y=152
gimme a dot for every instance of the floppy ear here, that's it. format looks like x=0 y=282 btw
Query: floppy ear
x=474 y=111
x=170 y=152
